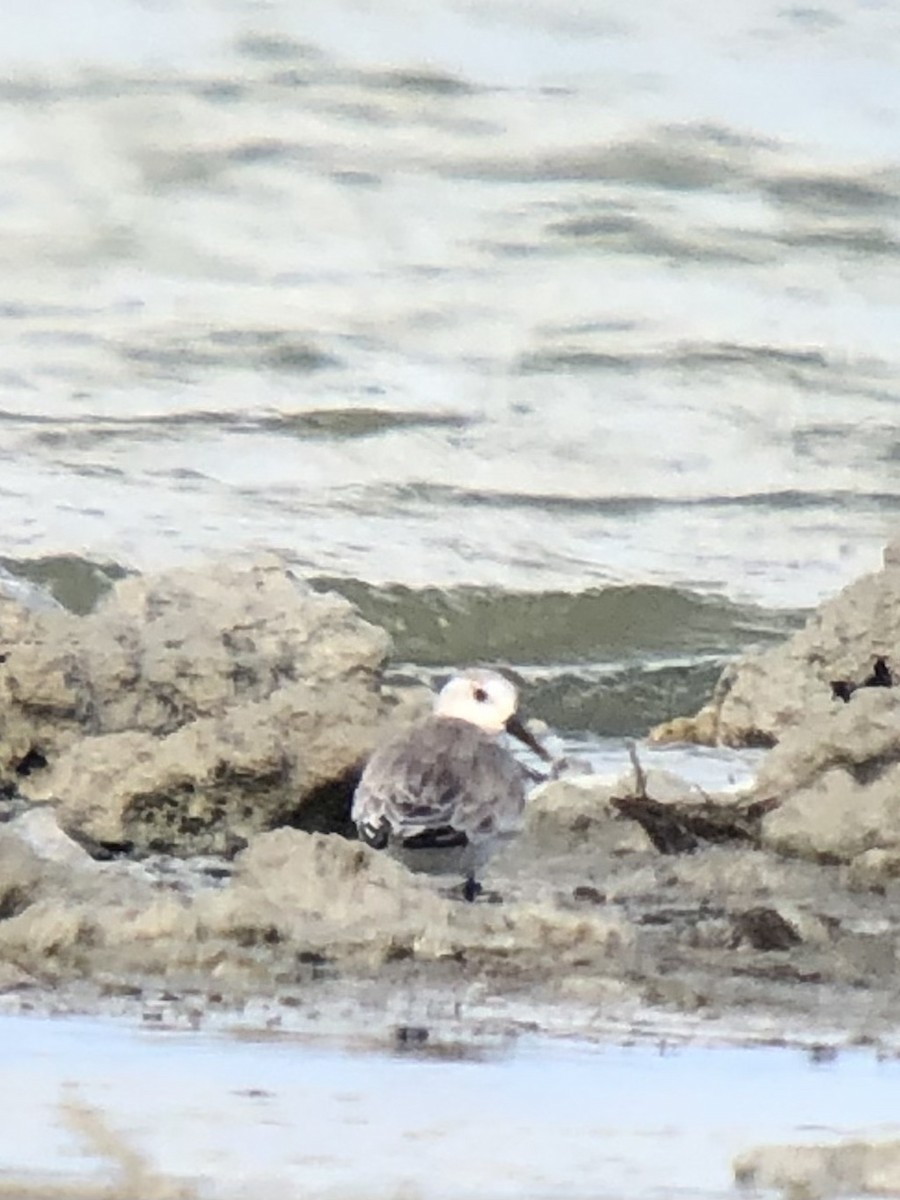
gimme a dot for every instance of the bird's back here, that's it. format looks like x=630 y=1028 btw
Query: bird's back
x=440 y=773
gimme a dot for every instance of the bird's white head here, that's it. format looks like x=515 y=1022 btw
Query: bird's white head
x=489 y=701
x=481 y=697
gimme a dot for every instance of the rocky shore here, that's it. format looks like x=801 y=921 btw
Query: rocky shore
x=176 y=768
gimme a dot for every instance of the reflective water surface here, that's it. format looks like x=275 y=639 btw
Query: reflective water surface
x=534 y=1118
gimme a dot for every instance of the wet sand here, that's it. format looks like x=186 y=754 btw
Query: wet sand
x=90 y=1105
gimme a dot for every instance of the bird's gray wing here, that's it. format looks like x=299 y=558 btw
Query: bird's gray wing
x=440 y=773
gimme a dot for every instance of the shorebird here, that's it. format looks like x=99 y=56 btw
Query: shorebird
x=444 y=794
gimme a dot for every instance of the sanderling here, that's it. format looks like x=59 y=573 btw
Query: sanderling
x=444 y=794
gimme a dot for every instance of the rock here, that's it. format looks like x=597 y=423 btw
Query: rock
x=567 y=813
x=48 y=901
x=667 y=788
x=700 y=730
x=210 y=785
x=193 y=708
x=13 y=978
x=39 y=697
x=764 y=929
x=329 y=895
x=166 y=649
x=874 y=869
x=24 y=876
x=880 y=676
x=762 y=696
x=60 y=911
x=40 y=831
x=838 y=781
x=346 y=901
x=847 y=1169
x=573 y=813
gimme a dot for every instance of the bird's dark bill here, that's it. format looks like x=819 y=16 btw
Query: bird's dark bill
x=518 y=730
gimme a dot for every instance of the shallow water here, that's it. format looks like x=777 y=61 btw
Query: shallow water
x=529 y=1118
x=712 y=768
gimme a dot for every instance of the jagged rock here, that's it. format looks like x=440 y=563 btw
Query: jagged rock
x=210 y=785
x=838 y=781
x=762 y=696
x=14 y=979
x=825 y=702
x=699 y=730
x=764 y=929
x=568 y=813
x=162 y=650
x=23 y=873
x=324 y=892
x=192 y=708
x=874 y=869
x=297 y=901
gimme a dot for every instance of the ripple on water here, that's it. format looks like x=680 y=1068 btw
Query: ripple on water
x=471 y=300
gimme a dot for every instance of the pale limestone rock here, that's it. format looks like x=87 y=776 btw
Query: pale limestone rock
x=762 y=696
x=193 y=708
x=324 y=889
x=217 y=779
x=572 y=811
x=873 y=869
x=699 y=730
x=352 y=903
x=575 y=811
x=838 y=781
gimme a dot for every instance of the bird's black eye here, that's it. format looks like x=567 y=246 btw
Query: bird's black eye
x=480 y=695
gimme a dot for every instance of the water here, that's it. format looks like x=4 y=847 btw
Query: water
x=461 y=302
x=288 y=1117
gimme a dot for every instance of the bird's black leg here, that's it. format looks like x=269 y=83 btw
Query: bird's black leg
x=471 y=889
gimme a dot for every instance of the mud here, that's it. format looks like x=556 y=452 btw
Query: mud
x=727 y=936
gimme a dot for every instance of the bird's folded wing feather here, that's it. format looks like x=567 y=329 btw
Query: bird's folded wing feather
x=441 y=772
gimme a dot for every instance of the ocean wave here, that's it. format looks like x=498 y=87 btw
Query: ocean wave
x=612 y=625
x=613 y=661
